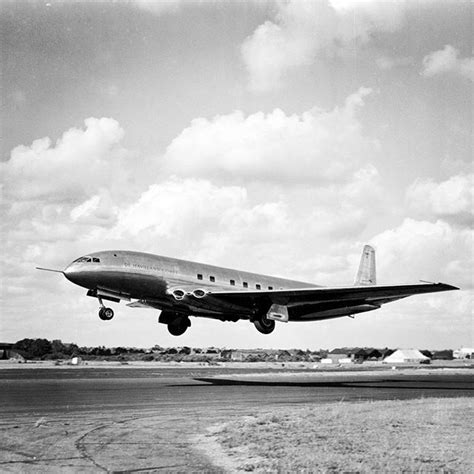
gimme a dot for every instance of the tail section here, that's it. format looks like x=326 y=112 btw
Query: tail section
x=366 y=275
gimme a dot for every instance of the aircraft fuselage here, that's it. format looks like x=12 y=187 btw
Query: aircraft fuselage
x=160 y=280
x=181 y=288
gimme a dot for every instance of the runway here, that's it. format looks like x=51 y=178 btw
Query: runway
x=133 y=419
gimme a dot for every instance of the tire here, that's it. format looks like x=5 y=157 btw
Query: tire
x=264 y=325
x=178 y=327
x=106 y=314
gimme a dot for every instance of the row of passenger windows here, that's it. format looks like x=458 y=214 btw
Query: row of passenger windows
x=232 y=282
x=87 y=259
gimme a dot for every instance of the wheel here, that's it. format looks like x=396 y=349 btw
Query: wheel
x=264 y=325
x=106 y=314
x=179 y=326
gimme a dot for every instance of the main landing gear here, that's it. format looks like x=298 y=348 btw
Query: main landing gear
x=264 y=325
x=177 y=323
x=178 y=327
x=106 y=314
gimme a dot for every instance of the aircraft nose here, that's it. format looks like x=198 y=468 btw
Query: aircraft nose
x=71 y=272
x=79 y=274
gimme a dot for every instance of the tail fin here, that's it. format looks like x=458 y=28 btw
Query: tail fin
x=366 y=274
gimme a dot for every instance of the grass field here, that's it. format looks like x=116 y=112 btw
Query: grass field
x=432 y=435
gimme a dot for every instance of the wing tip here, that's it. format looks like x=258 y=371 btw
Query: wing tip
x=447 y=287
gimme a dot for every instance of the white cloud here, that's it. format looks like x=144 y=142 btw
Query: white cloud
x=99 y=209
x=432 y=251
x=387 y=63
x=447 y=60
x=179 y=207
x=451 y=200
x=225 y=194
x=158 y=7
x=316 y=146
x=80 y=162
x=300 y=29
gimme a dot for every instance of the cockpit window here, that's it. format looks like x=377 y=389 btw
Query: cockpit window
x=87 y=259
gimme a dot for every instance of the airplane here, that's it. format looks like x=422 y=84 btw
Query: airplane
x=181 y=289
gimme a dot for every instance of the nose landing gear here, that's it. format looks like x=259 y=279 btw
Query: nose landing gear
x=106 y=314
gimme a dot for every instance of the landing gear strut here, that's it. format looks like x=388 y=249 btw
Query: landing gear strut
x=106 y=314
x=264 y=325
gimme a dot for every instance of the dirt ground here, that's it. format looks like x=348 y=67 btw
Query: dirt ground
x=385 y=436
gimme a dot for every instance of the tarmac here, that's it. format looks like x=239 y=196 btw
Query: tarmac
x=138 y=419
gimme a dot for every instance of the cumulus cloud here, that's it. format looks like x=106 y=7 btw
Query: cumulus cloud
x=316 y=146
x=300 y=29
x=426 y=250
x=176 y=207
x=81 y=161
x=223 y=193
x=447 y=60
x=452 y=200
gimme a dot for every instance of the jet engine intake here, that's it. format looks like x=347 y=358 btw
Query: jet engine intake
x=199 y=293
x=178 y=294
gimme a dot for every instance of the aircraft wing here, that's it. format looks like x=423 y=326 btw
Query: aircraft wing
x=375 y=294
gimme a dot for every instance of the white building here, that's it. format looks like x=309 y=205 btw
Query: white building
x=464 y=353
x=401 y=356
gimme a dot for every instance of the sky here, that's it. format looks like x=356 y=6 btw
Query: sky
x=276 y=137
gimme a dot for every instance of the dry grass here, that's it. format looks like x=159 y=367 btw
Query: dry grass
x=429 y=435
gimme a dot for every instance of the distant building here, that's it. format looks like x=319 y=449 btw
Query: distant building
x=403 y=356
x=76 y=361
x=249 y=355
x=367 y=353
x=384 y=353
x=338 y=354
x=227 y=354
x=5 y=350
x=464 y=353
x=283 y=356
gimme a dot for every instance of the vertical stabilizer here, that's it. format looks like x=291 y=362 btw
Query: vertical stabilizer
x=366 y=273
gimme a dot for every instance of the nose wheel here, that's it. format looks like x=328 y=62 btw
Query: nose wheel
x=106 y=314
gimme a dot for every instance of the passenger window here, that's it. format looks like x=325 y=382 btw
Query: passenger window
x=89 y=260
x=270 y=287
x=258 y=286
x=212 y=278
x=96 y=260
x=245 y=284
x=232 y=282
x=199 y=275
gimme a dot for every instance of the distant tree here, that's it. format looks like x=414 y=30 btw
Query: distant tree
x=33 y=348
x=120 y=350
x=58 y=349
